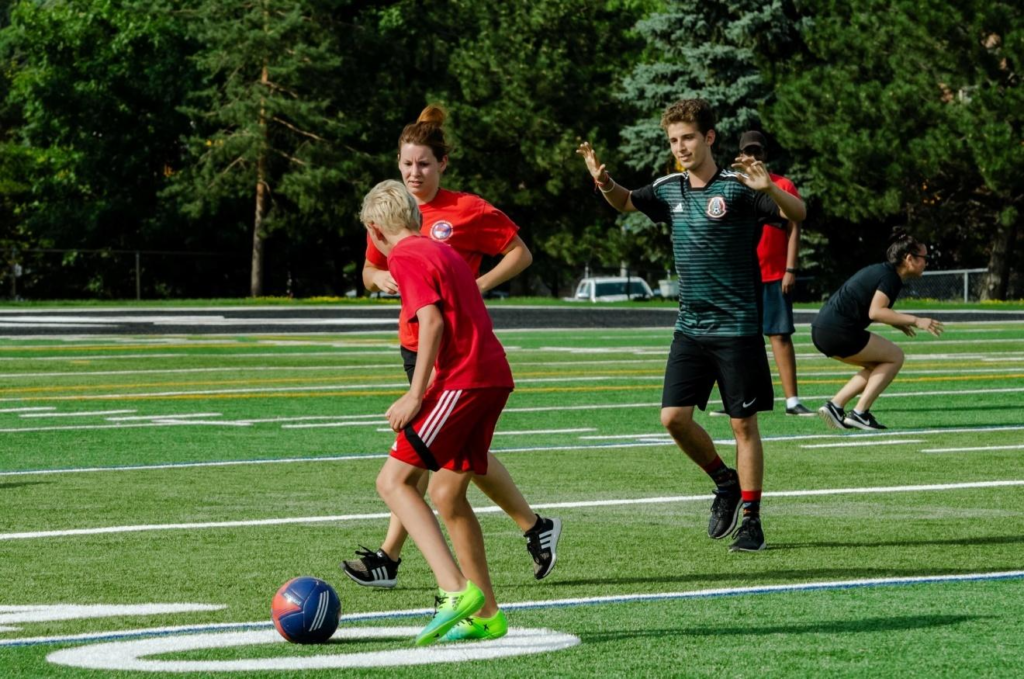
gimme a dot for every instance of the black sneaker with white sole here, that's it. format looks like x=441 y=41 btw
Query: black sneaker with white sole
x=833 y=415
x=372 y=569
x=749 y=536
x=542 y=543
x=724 y=512
x=800 y=410
x=866 y=420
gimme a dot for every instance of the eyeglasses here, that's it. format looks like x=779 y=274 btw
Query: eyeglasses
x=755 y=151
x=924 y=257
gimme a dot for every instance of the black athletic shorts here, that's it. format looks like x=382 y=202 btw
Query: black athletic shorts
x=738 y=364
x=409 y=363
x=837 y=342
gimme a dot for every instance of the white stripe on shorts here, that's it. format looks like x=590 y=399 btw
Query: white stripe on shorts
x=448 y=411
x=435 y=415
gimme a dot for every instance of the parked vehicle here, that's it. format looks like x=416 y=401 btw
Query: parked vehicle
x=611 y=289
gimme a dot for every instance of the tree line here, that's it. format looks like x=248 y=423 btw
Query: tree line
x=237 y=138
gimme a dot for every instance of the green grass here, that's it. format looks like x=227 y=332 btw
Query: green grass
x=958 y=393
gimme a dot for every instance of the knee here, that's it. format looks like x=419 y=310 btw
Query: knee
x=745 y=429
x=447 y=499
x=676 y=420
x=900 y=357
x=385 y=485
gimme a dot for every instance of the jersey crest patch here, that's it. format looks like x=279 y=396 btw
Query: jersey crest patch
x=441 y=230
x=716 y=208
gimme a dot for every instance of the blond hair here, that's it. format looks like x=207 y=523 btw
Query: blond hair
x=391 y=208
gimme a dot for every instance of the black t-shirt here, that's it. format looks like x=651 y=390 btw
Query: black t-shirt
x=848 y=307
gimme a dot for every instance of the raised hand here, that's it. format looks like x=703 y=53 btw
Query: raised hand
x=597 y=170
x=752 y=173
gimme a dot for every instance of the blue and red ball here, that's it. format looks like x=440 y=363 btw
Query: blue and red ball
x=306 y=610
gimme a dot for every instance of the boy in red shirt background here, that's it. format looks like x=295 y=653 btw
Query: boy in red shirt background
x=445 y=425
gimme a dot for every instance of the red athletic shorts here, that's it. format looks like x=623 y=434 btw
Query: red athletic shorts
x=453 y=430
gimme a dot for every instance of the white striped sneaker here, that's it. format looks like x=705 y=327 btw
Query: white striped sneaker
x=542 y=543
x=372 y=569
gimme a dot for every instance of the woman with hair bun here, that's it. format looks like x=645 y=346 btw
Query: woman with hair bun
x=840 y=330
x=474 y=228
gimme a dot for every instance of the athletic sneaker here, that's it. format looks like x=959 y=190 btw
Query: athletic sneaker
x=800 y=410
x=494 y=627
x=863 y=421
x=542 y=543
x=749 y=536
x=372 y=569
x=724 y=512
x=449 y=609
x=833 y=415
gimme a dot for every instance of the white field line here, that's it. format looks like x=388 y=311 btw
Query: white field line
x=405 y=385
x=225 y=355
x=857 y=444
x=796 y=587
x=969 y=450
x=95 y=413
x=663 y=437
x=88 y=427
x=322 y=425
x=169 y=416
x=25 y=410
x=107 y=530
x=192 y=465
x=177 y=371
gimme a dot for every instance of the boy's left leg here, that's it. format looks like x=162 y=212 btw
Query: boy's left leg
x=448 y=494
x=750 y=466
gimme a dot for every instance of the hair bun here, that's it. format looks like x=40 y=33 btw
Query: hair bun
x=432 y=114
x=898 y=234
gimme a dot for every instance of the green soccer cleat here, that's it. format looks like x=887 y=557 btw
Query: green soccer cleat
x=494 y=627
x=449 y=609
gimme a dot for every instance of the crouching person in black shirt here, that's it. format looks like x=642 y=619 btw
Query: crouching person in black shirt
x=840 y=330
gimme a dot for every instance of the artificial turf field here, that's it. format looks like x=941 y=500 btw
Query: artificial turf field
x=892 y=553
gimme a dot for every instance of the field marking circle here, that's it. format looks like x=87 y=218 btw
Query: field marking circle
x=131 y=655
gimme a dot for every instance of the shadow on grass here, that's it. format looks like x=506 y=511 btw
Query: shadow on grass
x=951 y=542
x=896 y=624
x=774 y=577
x=18 y=484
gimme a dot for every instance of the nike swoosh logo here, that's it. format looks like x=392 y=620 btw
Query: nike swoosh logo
x=747 y=405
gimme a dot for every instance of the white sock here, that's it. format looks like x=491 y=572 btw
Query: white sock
x=792 y=401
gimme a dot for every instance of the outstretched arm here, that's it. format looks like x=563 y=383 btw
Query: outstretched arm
x=617 y=196
x=881 y=313
x=754 y=174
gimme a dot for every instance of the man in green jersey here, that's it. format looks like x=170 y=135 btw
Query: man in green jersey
x=716 y=217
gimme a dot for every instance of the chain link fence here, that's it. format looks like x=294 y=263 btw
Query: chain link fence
x=964 y=285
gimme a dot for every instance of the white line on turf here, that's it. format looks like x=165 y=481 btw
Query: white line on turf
x=169 y=416
x=107 y=530
x=24 y=410
x=969 y=450
x=856 y=444
x=94 y=413
x=797 y=587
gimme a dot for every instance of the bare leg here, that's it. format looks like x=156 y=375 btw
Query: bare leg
x=852 y=388
x=785 y=361
x=397 y=484
x=448 y=493
x=688 y=435
x=394 y=541
x=882 y=361
x=498 y=485
x=749 y=452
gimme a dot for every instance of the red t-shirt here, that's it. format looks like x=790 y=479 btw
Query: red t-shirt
x=470 y=357
x=771 y=251
x=466 y=222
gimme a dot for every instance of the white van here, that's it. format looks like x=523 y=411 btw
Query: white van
x=611 y=289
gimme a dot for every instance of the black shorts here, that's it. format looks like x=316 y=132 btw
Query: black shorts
x=837 y=342
x=738 y=364
x=778 y=310
x=409 y=363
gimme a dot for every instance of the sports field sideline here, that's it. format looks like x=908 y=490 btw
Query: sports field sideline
x=173 y=483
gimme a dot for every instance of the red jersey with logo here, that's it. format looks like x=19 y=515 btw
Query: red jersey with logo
x=468 y=223
x=470 y=356
x=771 y=250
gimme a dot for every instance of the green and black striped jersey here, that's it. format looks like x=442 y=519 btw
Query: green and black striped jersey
x=715 y=231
